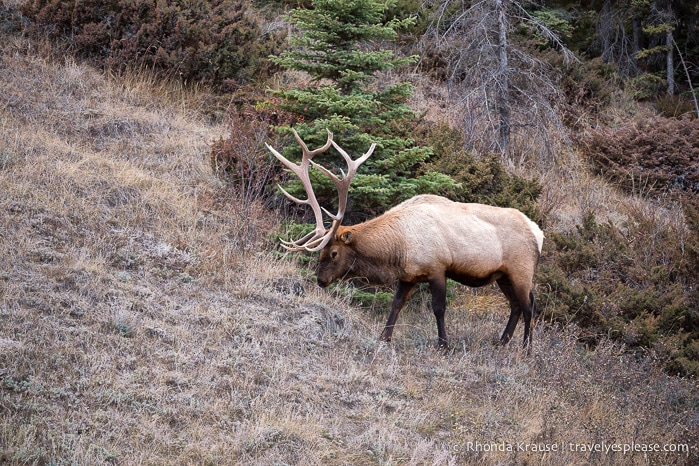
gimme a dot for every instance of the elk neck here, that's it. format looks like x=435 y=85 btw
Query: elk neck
x=379 y=252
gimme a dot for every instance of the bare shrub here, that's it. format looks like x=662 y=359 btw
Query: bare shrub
x=664 y=152
x=588 y=88
x=248 y=169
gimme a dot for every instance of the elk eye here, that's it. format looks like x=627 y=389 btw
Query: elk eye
x=333 y=254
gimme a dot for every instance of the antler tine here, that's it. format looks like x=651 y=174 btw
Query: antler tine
x=299 y=241
x=313 y=241
x=352 y=165
x=313 y=153
x=290 y=165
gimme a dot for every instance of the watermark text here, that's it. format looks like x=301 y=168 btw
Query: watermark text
x=544 y=447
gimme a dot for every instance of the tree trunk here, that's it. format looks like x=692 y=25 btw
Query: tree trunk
x=503 y=79
x=670 y=63
x=605 y=31
x=636 y=44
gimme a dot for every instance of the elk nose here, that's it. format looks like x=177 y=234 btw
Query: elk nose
x=322 y=283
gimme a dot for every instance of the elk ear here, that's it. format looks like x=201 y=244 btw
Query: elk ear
x=346 y=237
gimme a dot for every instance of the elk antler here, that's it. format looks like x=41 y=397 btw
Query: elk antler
x=319 y=237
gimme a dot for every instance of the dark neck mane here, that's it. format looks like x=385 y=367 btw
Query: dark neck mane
x=379 y=253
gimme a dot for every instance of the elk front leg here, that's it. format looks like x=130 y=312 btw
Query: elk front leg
x=403 y=292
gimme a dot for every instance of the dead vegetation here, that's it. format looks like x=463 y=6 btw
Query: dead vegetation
x=134 y=330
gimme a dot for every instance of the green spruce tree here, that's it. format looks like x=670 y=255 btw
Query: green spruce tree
x=338 y=44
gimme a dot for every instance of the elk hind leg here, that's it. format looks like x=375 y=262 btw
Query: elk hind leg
x=438 y=289
x=530 y=313
x=525 y=298
x=515 y=310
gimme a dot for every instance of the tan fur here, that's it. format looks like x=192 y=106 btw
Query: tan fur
x=428 y=239
x=438 y=234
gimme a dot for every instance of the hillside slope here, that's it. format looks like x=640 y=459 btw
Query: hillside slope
x=133 y=330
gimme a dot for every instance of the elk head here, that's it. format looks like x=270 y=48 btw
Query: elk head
x=321 y=238
x=336 y=259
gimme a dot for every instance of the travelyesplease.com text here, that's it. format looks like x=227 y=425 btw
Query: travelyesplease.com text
x=542 y=447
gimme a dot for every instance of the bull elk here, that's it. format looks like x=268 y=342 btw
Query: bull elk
x=425 y=239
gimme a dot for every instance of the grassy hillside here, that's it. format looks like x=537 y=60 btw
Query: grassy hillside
x=142 y=321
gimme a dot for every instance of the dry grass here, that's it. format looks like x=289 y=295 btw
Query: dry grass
x=133 y=330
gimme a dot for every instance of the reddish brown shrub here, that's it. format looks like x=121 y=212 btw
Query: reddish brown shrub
x=663 y=154
x=242 y=160
x=587 y=87
x=213 y=40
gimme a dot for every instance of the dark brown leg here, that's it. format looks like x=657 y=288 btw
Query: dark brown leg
x=515 y=310
x=403 y=292
x=438 y=288
x=530 y=310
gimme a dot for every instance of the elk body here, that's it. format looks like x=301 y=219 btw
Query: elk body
x=425 y=239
